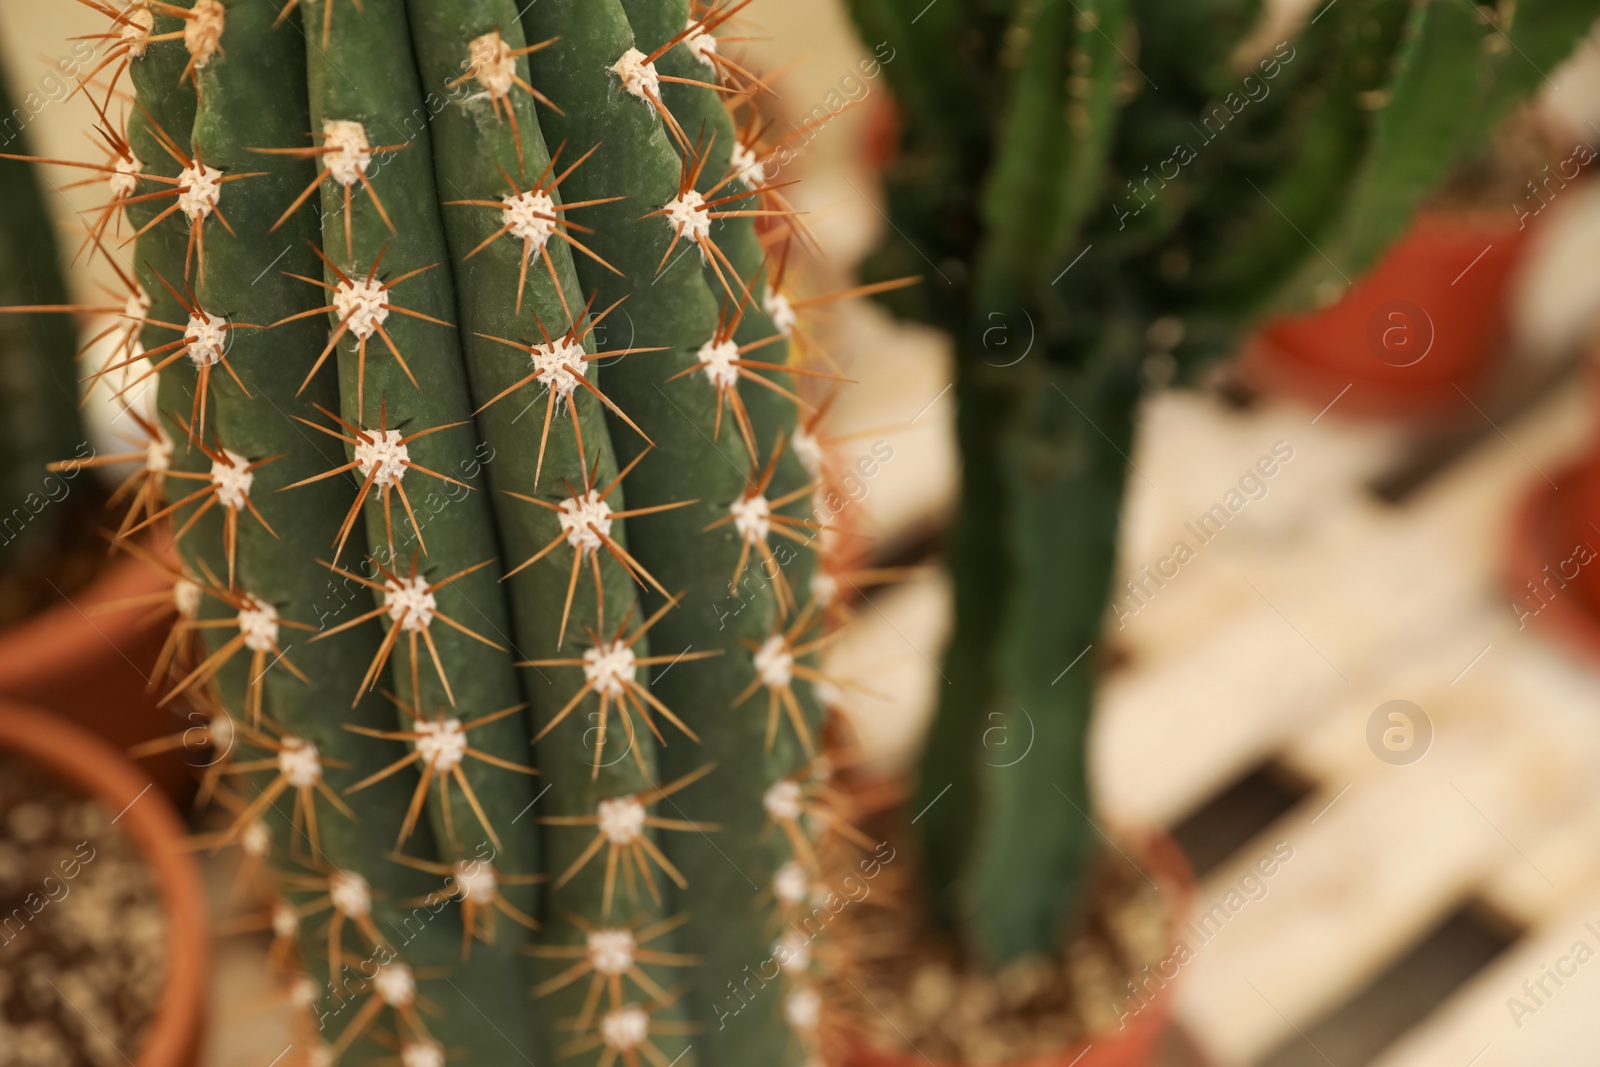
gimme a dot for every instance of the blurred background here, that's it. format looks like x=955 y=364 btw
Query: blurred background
x=1383 y=663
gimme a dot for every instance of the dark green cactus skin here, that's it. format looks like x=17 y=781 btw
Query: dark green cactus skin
x=243 y=280
x=1365 y=112
x=403 y=70
x=38 y=388
x=701 y=113
x=460 y=533
x=678 y=310
x=159 y=255
x=485 y=286
x=458 y=529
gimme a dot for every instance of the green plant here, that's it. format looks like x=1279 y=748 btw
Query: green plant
x=474 y=427
x=1154 y=184
x=38 y=394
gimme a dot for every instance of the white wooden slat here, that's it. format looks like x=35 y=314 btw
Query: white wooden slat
x=1371 y=872
x=1543 y=683
x=1568 y=854
x=892 y=647
x=904 y=406
x=1453 y=675
x=1480 y=1026
x=1229 y=688
x=1171 y=736
x=1191 y=453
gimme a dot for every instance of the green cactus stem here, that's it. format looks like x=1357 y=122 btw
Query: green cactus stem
x=480 y=443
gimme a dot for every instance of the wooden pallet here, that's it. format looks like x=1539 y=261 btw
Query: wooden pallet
x=1274 y=645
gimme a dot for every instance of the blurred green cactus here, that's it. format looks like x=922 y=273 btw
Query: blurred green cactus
x=1157 y=178
x=38 y=389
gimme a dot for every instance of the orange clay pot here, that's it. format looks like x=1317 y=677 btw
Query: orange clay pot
x=1553 y=567
x=1135 y=1045
x=1431 y=316
x=87 y=764
x=91 y=666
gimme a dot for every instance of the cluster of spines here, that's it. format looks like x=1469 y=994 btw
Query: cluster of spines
x=255 y=433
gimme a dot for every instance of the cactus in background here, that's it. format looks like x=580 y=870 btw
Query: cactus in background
x=1154 y=183
x=38 y=394
x=475 y=420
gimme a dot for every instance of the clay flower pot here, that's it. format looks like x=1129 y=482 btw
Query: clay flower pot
x=87 y=765
x=91 y=666
x=1137 y=1042
x=1432 y=315
x=1553 y=568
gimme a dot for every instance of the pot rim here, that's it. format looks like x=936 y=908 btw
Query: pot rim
x=51 y=642
x=1274 y=364
x=88 y=764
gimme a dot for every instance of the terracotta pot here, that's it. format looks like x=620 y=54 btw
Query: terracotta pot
x=88 y=765
x=1136 y=1044
x=880 y=137
x=92 y=667
x=1432 y=315
x=1555 y=548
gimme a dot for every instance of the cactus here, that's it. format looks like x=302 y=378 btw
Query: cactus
x=38 y=394
x=1076 y=213
x=495 y=558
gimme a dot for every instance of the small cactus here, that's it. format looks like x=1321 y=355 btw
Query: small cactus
x=1151 y=186
x=475 y=414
